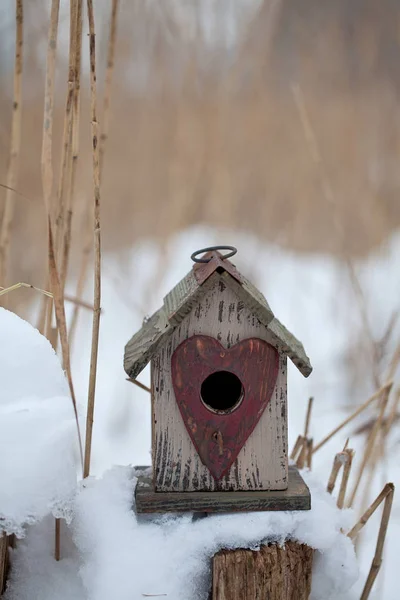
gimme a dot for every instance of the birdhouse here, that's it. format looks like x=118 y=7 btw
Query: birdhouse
x=219 y=396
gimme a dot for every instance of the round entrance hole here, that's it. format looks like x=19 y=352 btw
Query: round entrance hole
x=222 y=392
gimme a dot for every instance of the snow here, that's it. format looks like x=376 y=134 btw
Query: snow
x=119 y=554
x=38 y=434
x=106 y=549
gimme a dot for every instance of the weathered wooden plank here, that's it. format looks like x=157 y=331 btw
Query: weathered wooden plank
x=141 y=347
x=251 y=296
x=184 y=296
x=274 y=572
x=295 y=497
x=291 y=346
x=262 y=462
x=178 y=302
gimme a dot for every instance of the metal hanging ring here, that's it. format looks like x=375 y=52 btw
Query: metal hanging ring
x=194 y=258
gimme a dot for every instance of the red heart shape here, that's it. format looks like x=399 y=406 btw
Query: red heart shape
x=219 y=435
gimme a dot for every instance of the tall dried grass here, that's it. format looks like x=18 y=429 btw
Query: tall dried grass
x=223 y=143
x=88 y=230
x=12 y=171
x=97 y=241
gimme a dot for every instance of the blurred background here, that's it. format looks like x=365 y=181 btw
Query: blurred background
x=270 y=125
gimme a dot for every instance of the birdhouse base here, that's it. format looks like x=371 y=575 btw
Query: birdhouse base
x=295 y=497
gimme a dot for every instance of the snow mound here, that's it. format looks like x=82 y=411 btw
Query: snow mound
x=29 y=366
x=119 y=554
x=38 y=438
x=171 y=554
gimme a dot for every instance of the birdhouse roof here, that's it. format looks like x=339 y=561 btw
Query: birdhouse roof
x=180 y=301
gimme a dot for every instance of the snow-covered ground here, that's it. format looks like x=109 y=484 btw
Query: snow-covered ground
x=314 y=299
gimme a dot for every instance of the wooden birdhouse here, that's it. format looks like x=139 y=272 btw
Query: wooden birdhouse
x=218 y=390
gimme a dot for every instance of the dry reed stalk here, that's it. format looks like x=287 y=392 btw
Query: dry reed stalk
x=376 y=456
x=310 y=443
x=388 y=490
x=12 y=171
x=371 y=442
x=342 y=459
x=14 y=190
x=58 y=211
x=337 y=465
x=303 y=446
x=47 y=140
x=387 y=496
x=53 y=339
x=308 y=416
x=49 y=311
x=345 y=477
x=355 y=414
x=67 y=297
x=62 y=327
x=74 y=76
x=97 y=242
x=17 y=286
x=306 y=445
x=142 y=386
x=377 y=560
x=57 y=539
x=296 y=447
x=84 y=266
x=86 y=250
x=61 y=206
x=78 y=302
x=301 y=460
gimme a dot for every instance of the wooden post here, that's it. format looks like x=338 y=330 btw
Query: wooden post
x=271 y=573
x=4 y=563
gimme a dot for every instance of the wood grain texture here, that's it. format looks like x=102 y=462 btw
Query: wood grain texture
x=218 y=436
x=262 y=462
x=295 y=497
x=141 y=347
x=179 y=301
x=271 y=573
x=252 y=297
x=4 y=561
x=291 y=346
